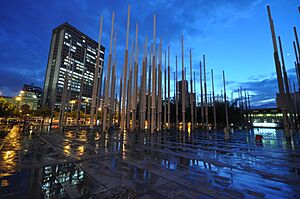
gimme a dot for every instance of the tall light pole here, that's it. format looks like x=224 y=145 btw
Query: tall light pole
x=205 y=93
x=214 y=102
x=279 y=76
x=107 y=85
x=225 y=101
x=153 y=77
x=191 y=95
x=95 y=82
x=169 y=105
x=183 y=87
x=125 y=72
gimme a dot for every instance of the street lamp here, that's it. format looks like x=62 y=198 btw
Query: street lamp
x=86 y=102
x=72 y=102
x=18 y=101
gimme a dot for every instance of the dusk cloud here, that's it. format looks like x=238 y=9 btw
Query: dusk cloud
x=215 y=28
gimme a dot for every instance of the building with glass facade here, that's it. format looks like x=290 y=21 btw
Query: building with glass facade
x=73 y=53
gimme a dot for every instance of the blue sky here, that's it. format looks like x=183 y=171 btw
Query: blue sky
x=234 y=35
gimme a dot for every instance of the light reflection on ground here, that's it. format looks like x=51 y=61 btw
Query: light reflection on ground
x=196 y=164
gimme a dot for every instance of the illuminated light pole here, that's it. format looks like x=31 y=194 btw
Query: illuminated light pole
x=153 y=77
x=225 y=101
x=113 y=84
x=287 y=87
x=143 y=89
x=205 y=94
x=201 y=92
x=135 y=86
x=65 y=90
x=214 y=102
x=81 y=90
x=129 y=89
x=297 y=54
x=159 y=88
x=176 y=97
x=195 y=101
x=86 y=103
x=174 y=92
x=108 y=74
x=169 y=105
x=95 y=82
x=149 y=92
x=191 y=95
x=125 y=72
x=282 y=104
x=120 y=101
x=165 y=92
x=183 y=87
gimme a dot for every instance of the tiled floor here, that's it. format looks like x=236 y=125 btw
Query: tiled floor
x=85 y=164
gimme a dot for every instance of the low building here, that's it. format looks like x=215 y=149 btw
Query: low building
x=266 y=117
x=37 y=90
x=27 y=100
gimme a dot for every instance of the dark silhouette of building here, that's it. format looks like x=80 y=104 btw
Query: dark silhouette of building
x=187 y=94
x=81 y=64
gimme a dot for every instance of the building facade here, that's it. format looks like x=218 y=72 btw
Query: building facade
x=27 y=100
x=187 y=94
x=73 y=53
x=37 y=90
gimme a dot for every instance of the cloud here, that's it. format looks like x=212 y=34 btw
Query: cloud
x=262 y=88
x=11 y=81
x=25 y=33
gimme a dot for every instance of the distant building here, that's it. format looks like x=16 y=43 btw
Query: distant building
x=187 y=94
x=37 y=90
x=27 y=100
x=63 y=38
x=266 y=117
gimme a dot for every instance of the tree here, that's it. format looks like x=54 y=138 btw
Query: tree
x=7 y=109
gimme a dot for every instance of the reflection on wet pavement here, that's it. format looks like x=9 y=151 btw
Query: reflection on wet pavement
x=86 y=164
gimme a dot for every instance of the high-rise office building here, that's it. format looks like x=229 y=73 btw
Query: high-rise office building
x=73 y=53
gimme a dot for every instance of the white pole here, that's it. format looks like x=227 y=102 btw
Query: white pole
x=169 y=105
x=108 y=75
x=95 y=82
x=183 y=87
x=125 y=72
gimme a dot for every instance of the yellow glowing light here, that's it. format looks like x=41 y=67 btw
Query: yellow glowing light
x=9 y=159
x=4 y=183
x=67 y=150
x=80 y=150
x=18 y=98
x=72 y=101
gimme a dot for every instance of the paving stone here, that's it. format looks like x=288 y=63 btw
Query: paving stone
x=168 y=164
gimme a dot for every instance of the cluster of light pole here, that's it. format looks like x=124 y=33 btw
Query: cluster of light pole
x=139 y=94
x=131 y=95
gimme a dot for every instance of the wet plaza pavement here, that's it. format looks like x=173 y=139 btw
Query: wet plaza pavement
x=171 y=164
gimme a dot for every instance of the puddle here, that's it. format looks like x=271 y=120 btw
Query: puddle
x=86 y=164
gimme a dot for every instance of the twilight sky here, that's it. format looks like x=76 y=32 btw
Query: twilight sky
x=234 y=35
